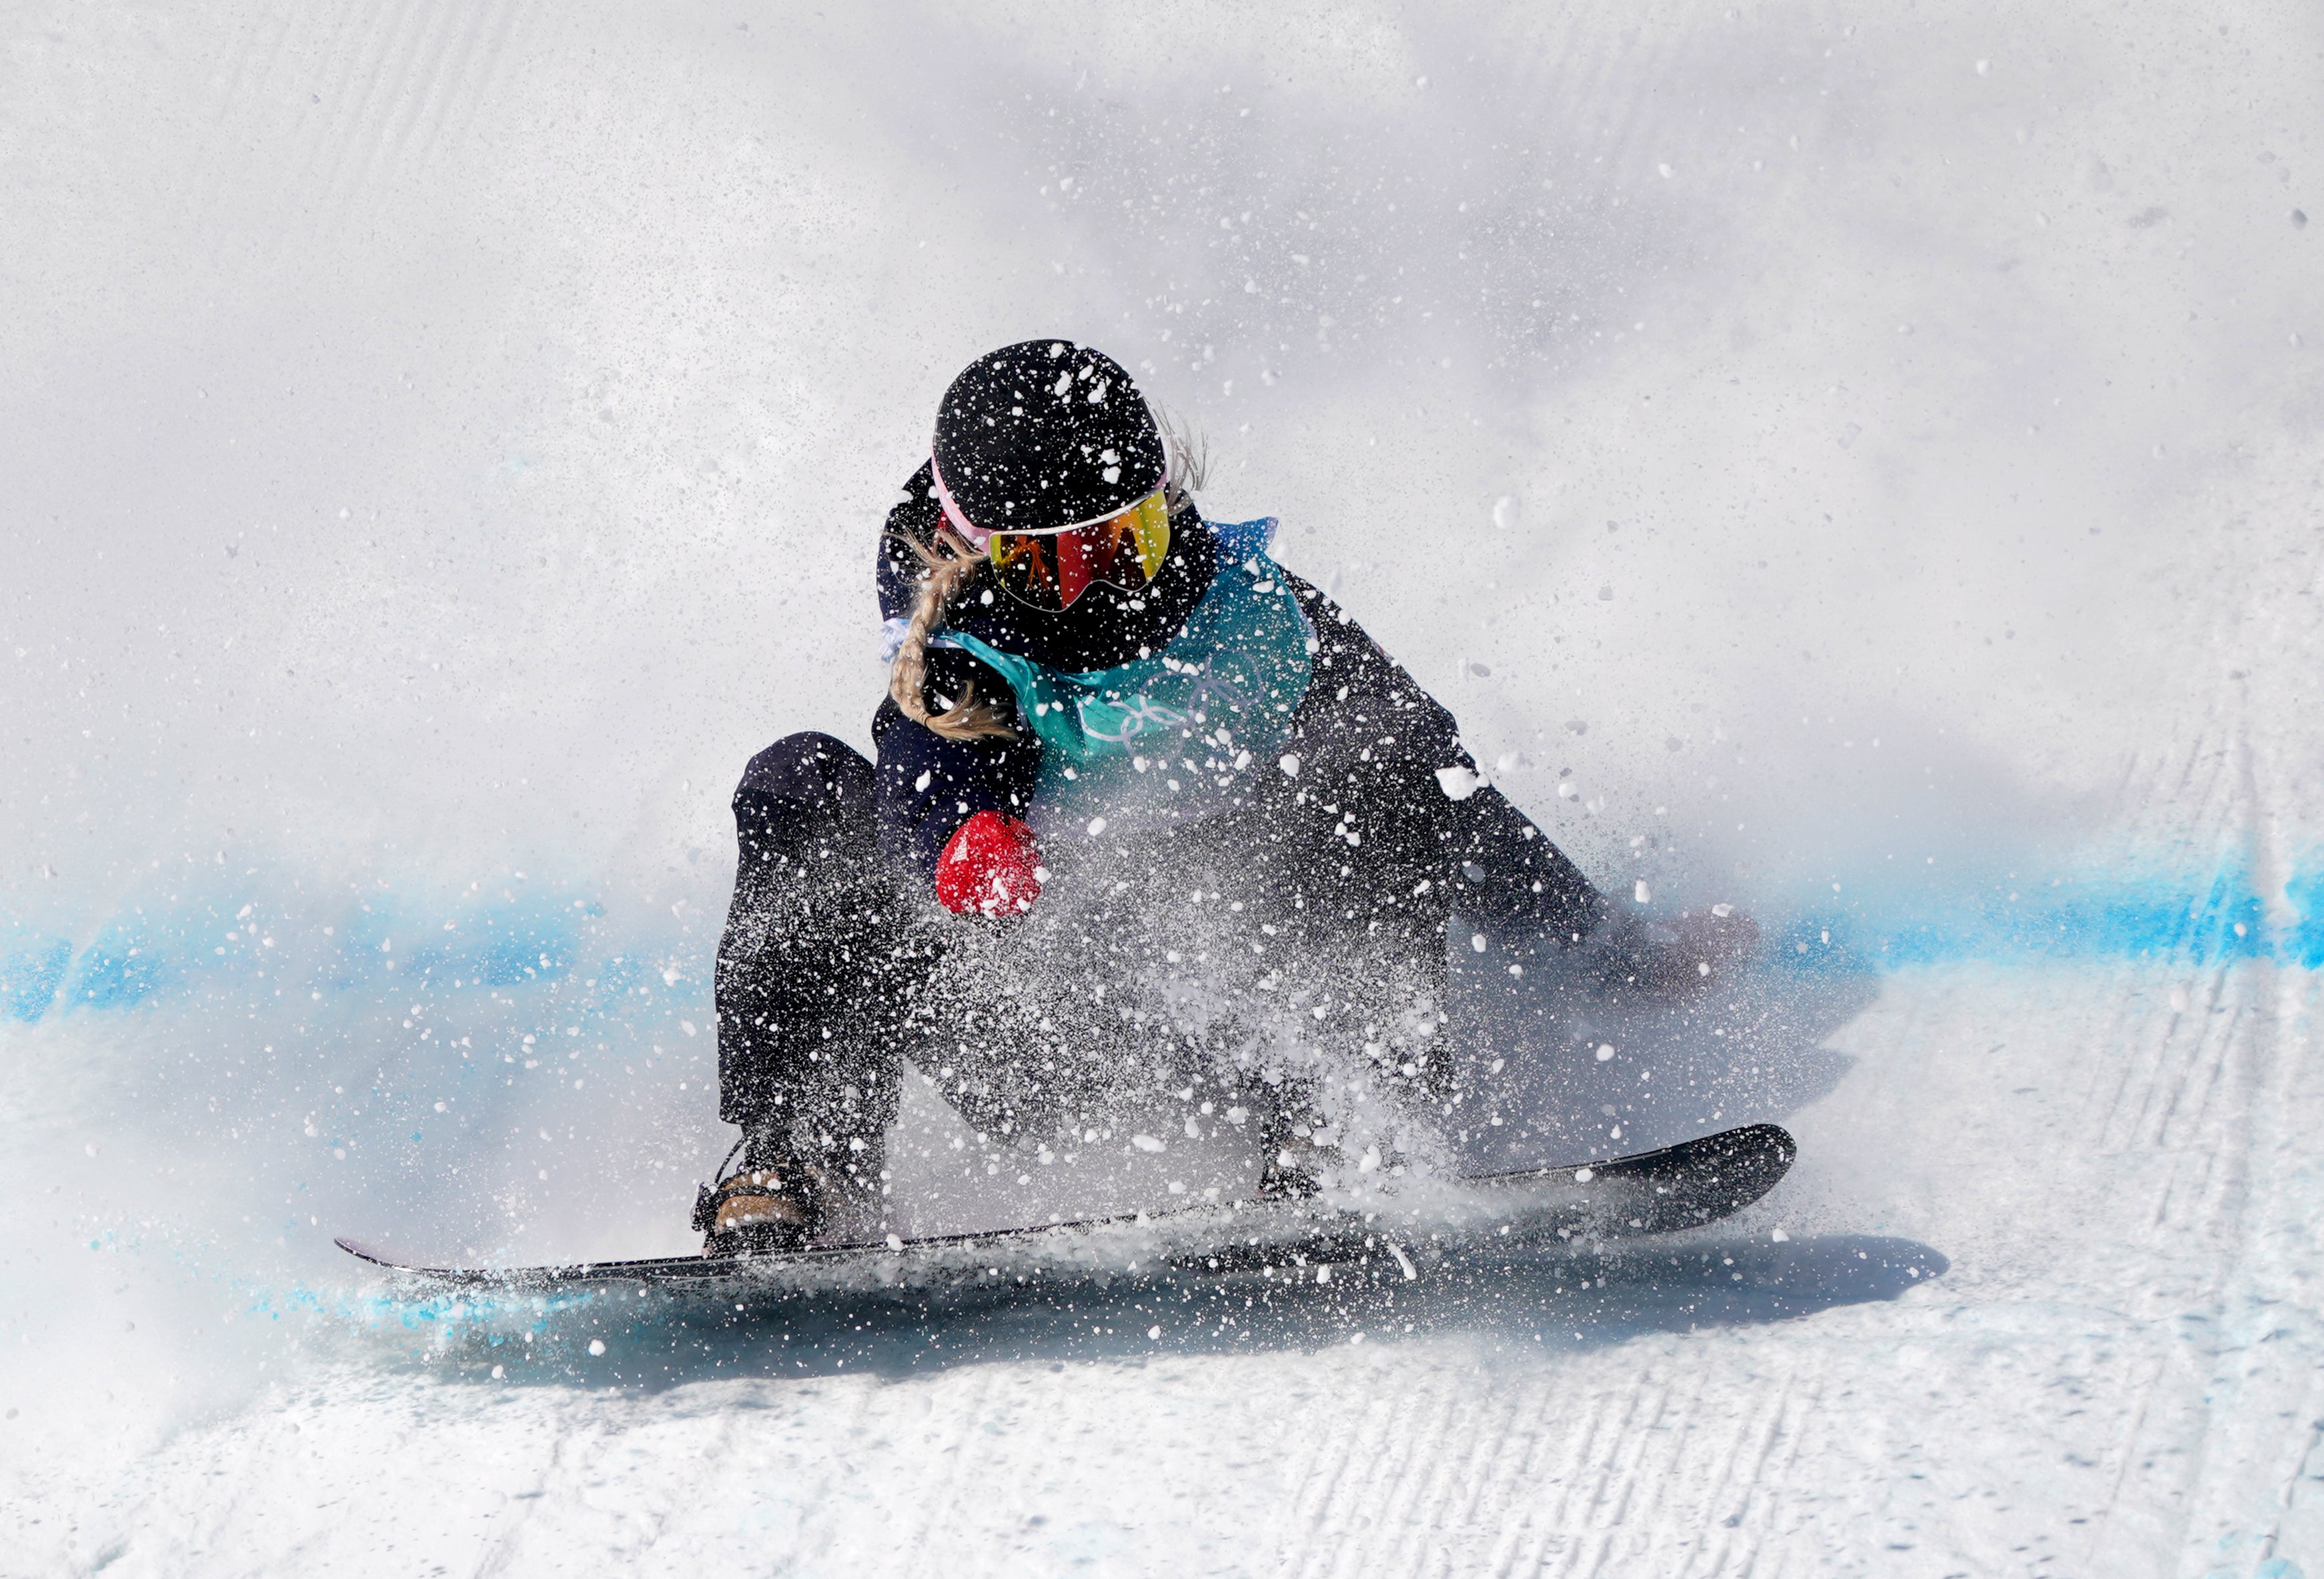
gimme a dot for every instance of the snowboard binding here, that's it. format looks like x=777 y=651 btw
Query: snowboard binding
x=760 y=1210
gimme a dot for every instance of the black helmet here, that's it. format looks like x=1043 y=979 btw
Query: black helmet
x=1042 y=435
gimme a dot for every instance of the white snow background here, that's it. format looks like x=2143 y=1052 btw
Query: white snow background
x=1858 y=462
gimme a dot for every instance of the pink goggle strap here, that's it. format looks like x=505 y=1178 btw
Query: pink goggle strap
x=978 y=539
x=954 y=512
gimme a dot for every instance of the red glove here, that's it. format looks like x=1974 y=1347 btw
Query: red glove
x=990 y=866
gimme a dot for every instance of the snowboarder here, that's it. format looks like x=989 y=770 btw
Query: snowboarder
x=1148 y=808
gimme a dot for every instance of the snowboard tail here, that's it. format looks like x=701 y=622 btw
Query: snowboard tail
x=1686 y=1185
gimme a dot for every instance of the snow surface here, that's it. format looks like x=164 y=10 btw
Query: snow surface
x=1858 y=464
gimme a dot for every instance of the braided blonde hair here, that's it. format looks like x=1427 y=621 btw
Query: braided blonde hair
x=951 y=560
x=951 y=564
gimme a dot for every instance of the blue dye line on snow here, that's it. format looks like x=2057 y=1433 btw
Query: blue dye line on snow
x=2221 y=920
x=152 y=954
x=29 y=978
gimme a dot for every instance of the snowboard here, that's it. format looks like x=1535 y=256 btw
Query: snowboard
x=1680 y=1186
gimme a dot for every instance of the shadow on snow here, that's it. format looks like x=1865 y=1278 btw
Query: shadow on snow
x=1510 y=1291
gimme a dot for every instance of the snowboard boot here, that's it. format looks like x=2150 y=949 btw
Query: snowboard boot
x=760 y=1209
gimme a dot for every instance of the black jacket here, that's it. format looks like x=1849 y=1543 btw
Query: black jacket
x=1371 y=741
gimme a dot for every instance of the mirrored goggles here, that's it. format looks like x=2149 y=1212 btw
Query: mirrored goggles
x=1048 y=570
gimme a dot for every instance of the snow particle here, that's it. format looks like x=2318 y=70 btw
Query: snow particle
x=1096 y=827
x=1605 y=1051
x=1640 y=893
x=1146 y=1142
x=596 y=1346
x=1154 y=1332
x=1290 y=765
